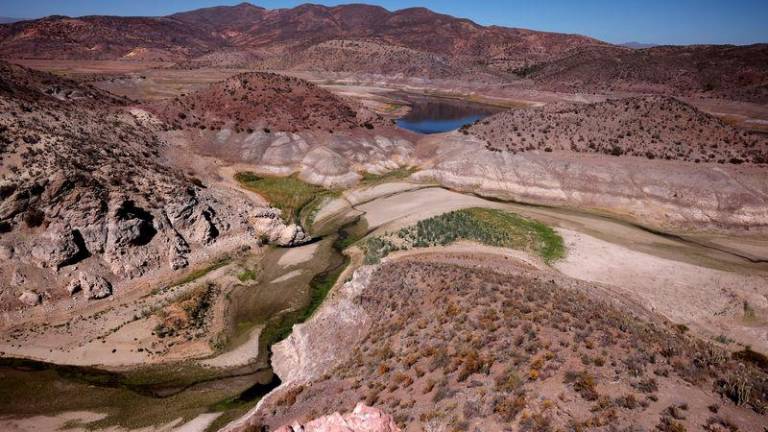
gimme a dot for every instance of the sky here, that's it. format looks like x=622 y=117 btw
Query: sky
x=616 y=21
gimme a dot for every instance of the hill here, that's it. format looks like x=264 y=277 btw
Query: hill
x=85 y=200
x=654 y=127
x=262 y=100
x=731 y=72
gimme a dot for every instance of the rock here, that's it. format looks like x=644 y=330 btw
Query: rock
x=6 y=252
x=269 y=224
x=362 y=419
x=15 y=204
x=30 y=298
x=94 y=286
x=57 y=248
x=18 y=279
x=74 y=286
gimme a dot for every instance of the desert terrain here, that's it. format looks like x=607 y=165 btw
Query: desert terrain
x=218 y=220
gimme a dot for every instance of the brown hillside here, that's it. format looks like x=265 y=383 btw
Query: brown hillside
x=259 y=100
x=487 y=349
x=655 y=127
x=731 y=72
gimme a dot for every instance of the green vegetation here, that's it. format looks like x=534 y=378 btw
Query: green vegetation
x=278 y=328
x=289 y=194
x=196 y=274
x=247 y=275
x=370 y=179
x=488 y=226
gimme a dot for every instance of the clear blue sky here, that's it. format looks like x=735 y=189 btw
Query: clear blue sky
x=653 y=21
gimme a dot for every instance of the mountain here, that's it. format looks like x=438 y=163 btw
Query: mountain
x=727 y=71
x=638 y=45
x=413 y=42
x=189 y=34
x=8 y=20
x=105 y=38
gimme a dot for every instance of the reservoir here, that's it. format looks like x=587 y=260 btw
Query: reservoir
x=430 y=115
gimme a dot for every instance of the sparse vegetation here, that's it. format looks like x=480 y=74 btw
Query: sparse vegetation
x=488 y=226
x=289 y=194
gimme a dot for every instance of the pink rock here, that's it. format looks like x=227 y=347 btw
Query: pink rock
x=362 y=419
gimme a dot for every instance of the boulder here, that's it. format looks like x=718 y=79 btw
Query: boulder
x=74 y=286
x=30 y=298
x=59 y=247
x=94 y=286
x=362 y=419
x=6 y=252
x=270 y=225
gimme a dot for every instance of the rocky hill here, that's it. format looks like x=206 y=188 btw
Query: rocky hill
x=85 y=199
x=653 y=127
x=731 y=72
x=466 y=342
x=105 y=38
x=369 y=56
x=264 y=101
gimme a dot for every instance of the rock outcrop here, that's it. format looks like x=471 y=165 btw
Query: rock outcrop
x=665 y=195
x=84 y=188
x=269 y=224
x=304 y=355
x=362 y=419
x=95 y=287
x=30 y=298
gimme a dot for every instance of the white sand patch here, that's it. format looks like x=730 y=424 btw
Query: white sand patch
x=49 y=423
x=415 y=205
x=239 y=356
x=298 y=255
x=287 y=276
x=199 y=423
x=684 y=293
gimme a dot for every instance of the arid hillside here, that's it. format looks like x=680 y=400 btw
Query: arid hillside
x=654 y=127
x=268 y=101
x=105 y=38
x=85 y=200
x=724 y=71
x=414 y=42
x=457 y=343
x=372 y=56
x=186 y=35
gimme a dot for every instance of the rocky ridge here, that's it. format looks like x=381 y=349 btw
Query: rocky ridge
x=362 y=419
x=86 y=201
x=666 y=195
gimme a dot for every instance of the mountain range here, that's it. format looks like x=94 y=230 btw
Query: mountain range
x=411 y=42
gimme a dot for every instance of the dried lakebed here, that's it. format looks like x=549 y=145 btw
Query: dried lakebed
x=598 y=249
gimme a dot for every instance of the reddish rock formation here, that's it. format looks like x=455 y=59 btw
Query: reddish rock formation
x=362 y=419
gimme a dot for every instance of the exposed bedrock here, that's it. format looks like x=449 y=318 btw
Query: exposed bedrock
x=362 y=419
x=331 y=160
x=660 y=194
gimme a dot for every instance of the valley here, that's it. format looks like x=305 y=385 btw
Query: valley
x=352 y=219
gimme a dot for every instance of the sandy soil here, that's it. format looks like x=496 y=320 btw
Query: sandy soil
x=707 y=300
x=409 y=207
x=241 y=355
x=702 y=288
x=298 y=255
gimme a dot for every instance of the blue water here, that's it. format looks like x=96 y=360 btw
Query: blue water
x=437 y=125
x=430 y=115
